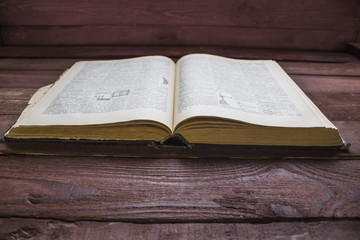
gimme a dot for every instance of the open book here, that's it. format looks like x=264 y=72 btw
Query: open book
x=204 y=98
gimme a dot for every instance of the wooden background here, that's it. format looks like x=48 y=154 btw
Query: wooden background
x=48 y=197
x=290 y=24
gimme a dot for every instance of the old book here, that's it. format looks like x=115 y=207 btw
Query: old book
x=204 y=98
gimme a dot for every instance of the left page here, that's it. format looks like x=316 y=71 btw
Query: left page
x=100 y=92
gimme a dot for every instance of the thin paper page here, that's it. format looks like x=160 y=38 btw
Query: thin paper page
x=251 y=91
x=97 y=92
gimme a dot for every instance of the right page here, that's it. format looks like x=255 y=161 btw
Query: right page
x=253 y=91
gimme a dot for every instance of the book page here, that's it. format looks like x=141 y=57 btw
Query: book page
x=97 y=92
x=253 y=91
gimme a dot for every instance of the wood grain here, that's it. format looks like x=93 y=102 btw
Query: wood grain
x=172 y=190
x=327 y=84
x=43 y=64
x=48 y=197
x=329 y=69
x=17 y=228
x=338 y=106
x=6 y=121
x=305 y=39
x=28 y=79
x=303 y=68
x=12 y=107
x=116 y=52
x=321 y=25
x=319 y=14
x=350 y=131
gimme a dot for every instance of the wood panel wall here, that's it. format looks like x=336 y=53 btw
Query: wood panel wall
x=291 y=24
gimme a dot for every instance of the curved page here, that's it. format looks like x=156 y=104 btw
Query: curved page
x=101 y=92
x=253 y=91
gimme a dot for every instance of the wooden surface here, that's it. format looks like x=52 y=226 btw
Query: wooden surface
x=47 y=197
x=178 y=190
x=317 y=24
x=54 y=229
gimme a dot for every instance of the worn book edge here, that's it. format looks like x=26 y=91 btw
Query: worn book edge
x=173 y=146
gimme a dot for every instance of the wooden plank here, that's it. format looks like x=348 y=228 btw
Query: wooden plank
x=116 y=52
x=23 y=94
x=330 y=69
x=350 y=131
x=60 y=64
x=306 y=39
x=178 y=190
x=12 y=106
x=6 y=121
x=27 y=79
x=327 y=84
x=338 y=106
x=43 y=229
x=44 y=64
x=319 y=14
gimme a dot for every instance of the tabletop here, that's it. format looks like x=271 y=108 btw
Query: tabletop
x=72 y=197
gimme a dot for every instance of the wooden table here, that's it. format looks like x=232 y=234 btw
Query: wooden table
x=56 y=197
